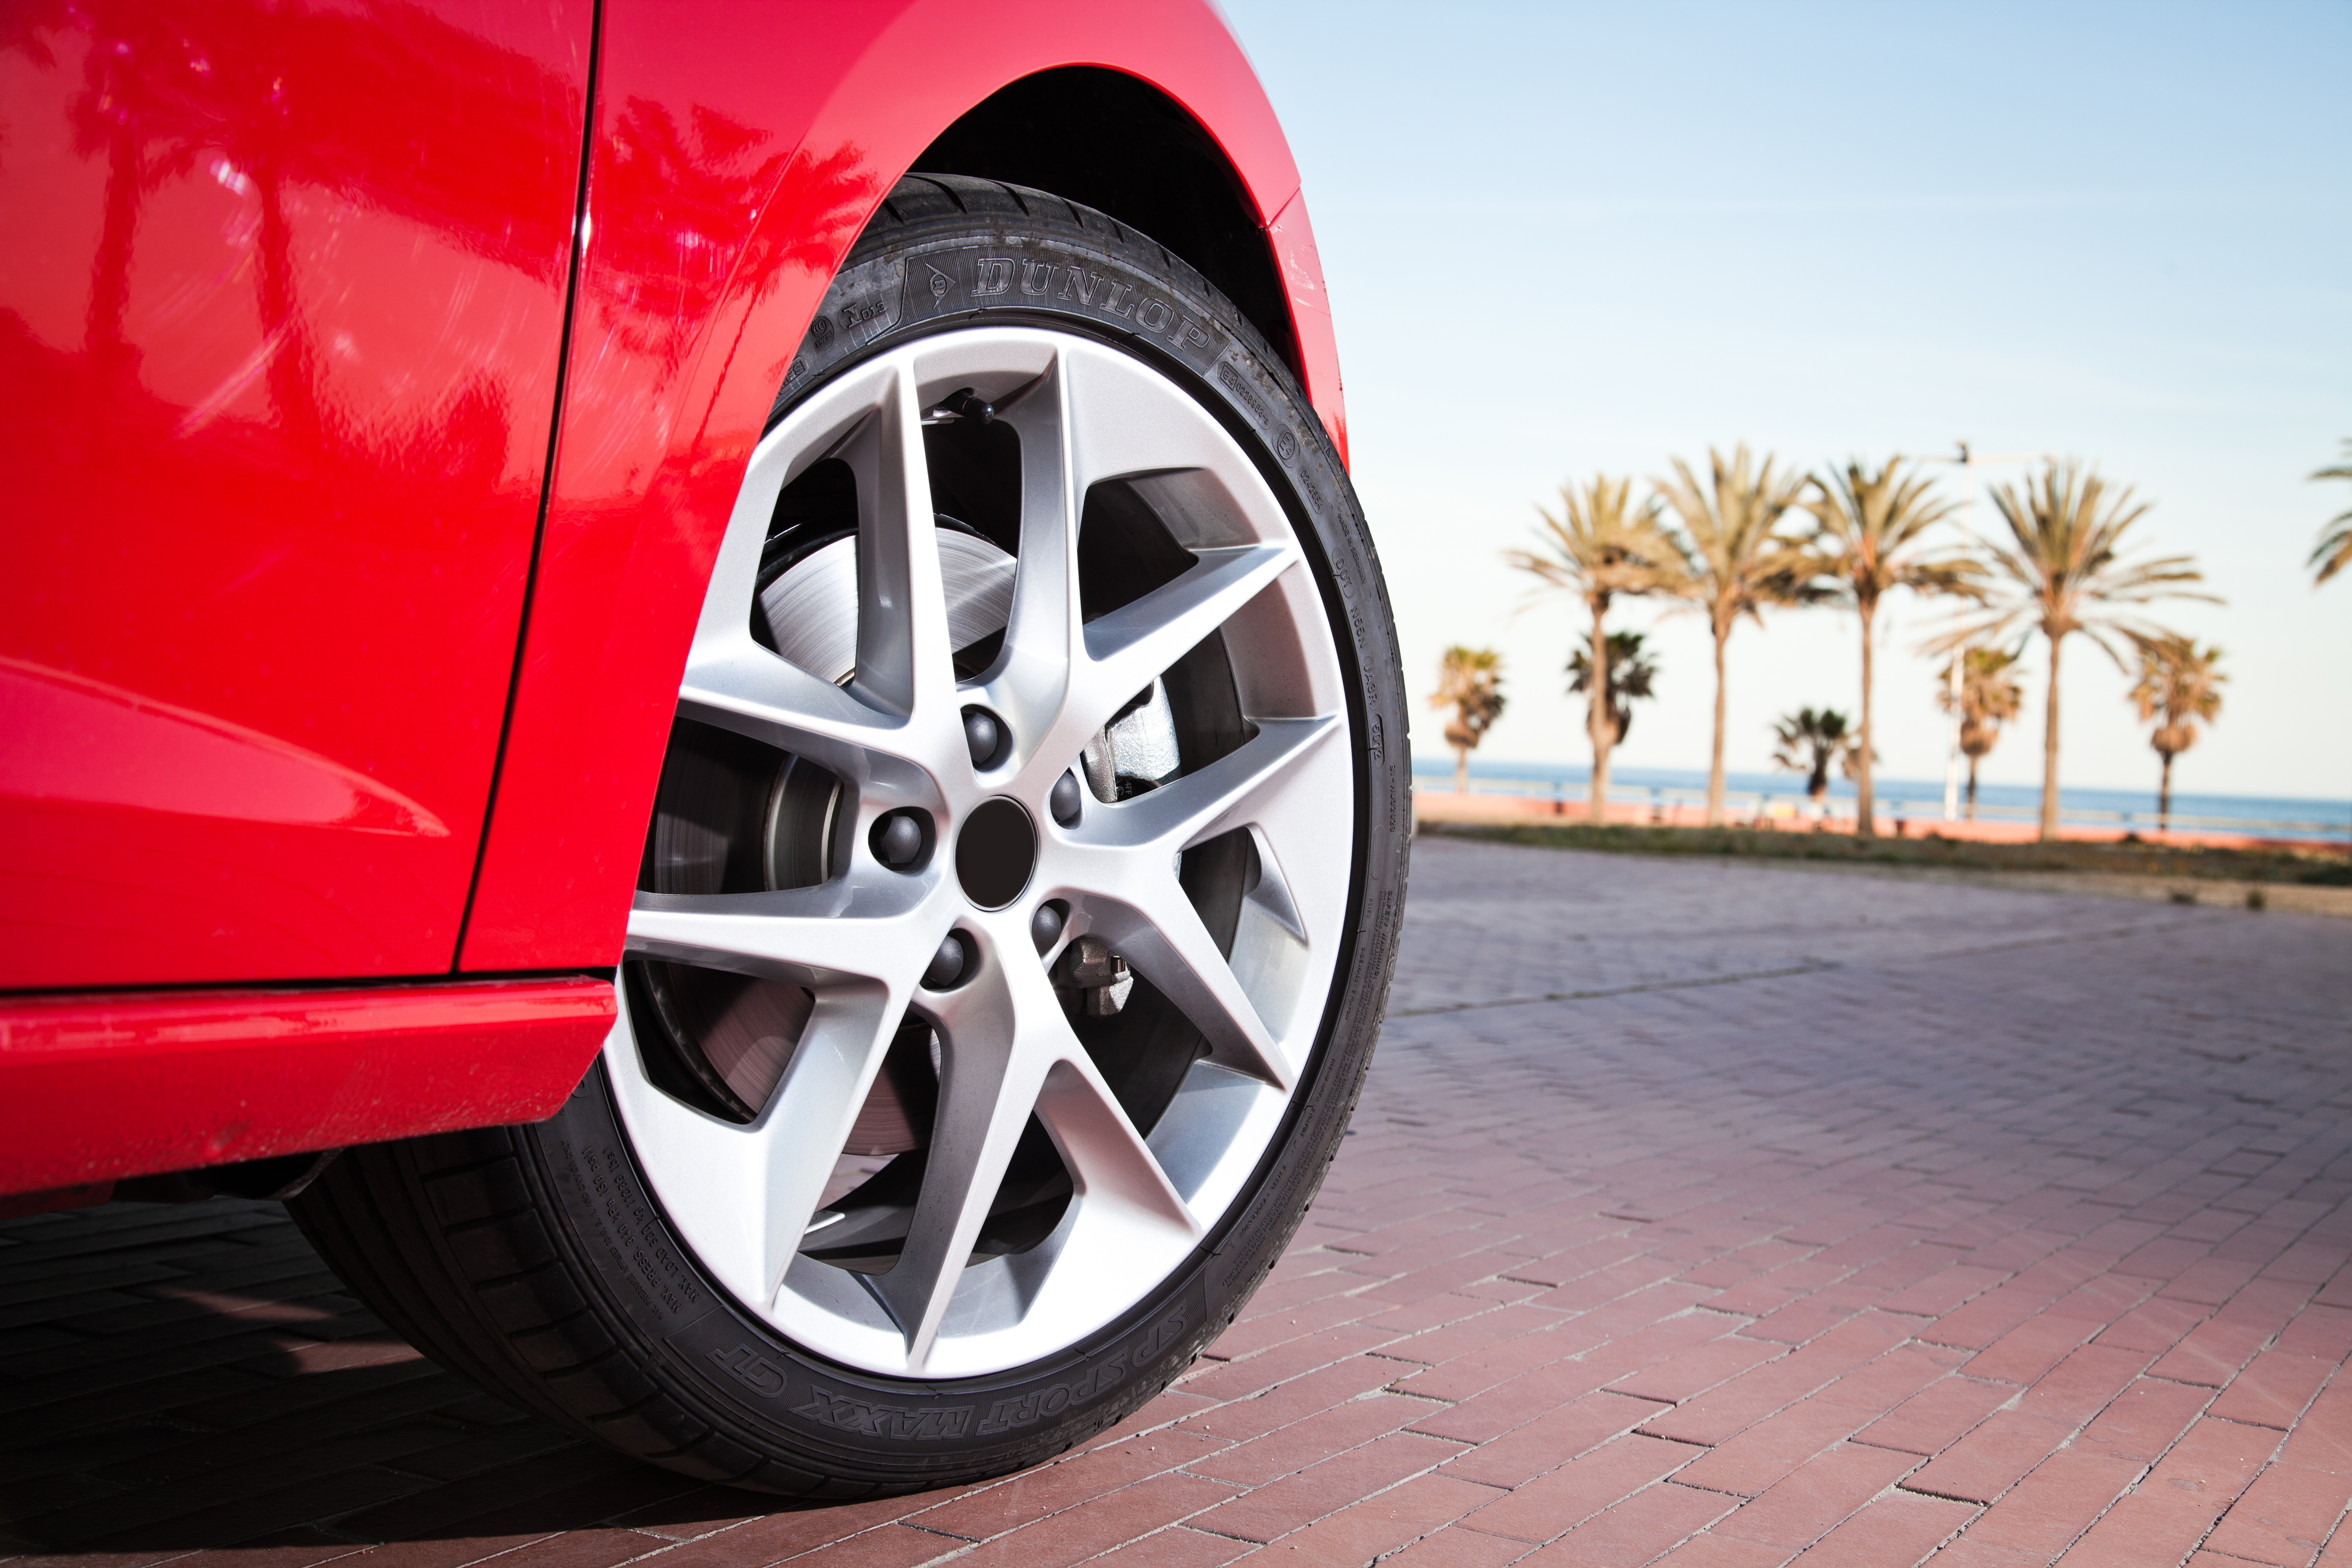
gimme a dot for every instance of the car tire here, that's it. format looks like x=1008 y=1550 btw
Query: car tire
x=571 y=1266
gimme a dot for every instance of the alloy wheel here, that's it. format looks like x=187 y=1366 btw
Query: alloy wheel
x=981 y=790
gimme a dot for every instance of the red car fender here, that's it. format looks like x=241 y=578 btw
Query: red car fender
x=205 y=1077
x=751 y=144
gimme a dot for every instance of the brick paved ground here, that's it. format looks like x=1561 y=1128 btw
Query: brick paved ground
x=1713 y=1213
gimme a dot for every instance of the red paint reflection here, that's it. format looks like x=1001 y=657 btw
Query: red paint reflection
x=285 y=483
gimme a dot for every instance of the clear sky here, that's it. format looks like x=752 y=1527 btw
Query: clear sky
x=1562 y=238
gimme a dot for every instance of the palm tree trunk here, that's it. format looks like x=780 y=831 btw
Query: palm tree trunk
x=2164 y=795
x=1461 y=770
x=1596 y=717
x=1865 y=813
x=1714 y=763
x=110 y=274
x=2049 y=753
x=1972 y=789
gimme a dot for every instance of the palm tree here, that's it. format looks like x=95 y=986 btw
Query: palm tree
x=1602 y=544
x=2066 y=571
x=1810 y=743
x=1989 y=698
x=1632 y=675
x=1469 y=681
x=2179 y=683
x=1738 y=560
x=2334 y=550
x=1872 y=536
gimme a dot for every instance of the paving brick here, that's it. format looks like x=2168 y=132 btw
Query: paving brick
x=1310 y=1352
x=1454 y=1546
x=891 y=1546
x=2274 y=1389
x=1033 y=1495
x=1939 y=1416
x=1694 y=1372
x=1989 y=1459
x=1809 y=1502
x=1380 y=1525
x=1297 y=1500
x=2142 y=1421
x=1749 y=1397
x=1551 y=1440
x=1095 y=1526
x=2285 y=1517
x=2078 y=1388
x=2154 y=1327
x=2322 y=1440
x=1176 y=1547
x=1968 y=1551
x=2178 y=1502
x=1255 y=1332
x=1897 y=1530
x=1708 y=1550
x=2325 y=1332
x=1513 y=1405
x=1762 y=1455
x=1636 y=1530
x=1311 y=1439
x=1557 y=1501
x=2031 y=1349
x=1877 y=1385
x=1786 y=1207
x=1299 y=1398
x=1467 y=1335
x=2057 y=1502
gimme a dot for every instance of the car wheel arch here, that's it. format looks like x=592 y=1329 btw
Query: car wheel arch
x=1117 y=143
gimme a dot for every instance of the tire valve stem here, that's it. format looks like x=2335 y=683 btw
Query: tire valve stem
x=970 y=406
x=1099 y=975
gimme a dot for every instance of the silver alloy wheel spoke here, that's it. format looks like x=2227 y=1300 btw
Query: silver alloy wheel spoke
x=743 y=1196
x=1128 y=648
x=746 y=1196
x=863 y=927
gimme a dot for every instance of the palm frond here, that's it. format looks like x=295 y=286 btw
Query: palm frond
x=2062 y=564
x=1738 y=561
x=2180 y=686
x=1872 y=528
x=2334 y=552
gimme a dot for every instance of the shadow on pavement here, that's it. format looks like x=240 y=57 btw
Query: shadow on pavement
x=178 y=1377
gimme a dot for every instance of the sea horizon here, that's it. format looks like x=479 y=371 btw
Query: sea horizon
x=2333 y=817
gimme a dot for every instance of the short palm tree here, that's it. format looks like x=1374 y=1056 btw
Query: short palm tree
x=2334 y=550
x=1739 y=561
x=1631 y=673
x=1811 y=743
x=2065 y=574
x=1875 y=535
x=1989 y=698
x=1469 y=681
x=2179 y=684
x=1602 y=544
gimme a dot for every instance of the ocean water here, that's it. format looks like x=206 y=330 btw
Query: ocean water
x=2282 y=816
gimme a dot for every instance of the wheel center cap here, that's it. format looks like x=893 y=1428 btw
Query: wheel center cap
x=996 y=849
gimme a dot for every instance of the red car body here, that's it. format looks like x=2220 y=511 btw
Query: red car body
x=367 y=454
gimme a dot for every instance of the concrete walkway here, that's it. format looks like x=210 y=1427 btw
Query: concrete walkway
x=1718 y=1214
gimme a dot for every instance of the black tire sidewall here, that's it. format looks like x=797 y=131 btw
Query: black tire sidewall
x=912 y=279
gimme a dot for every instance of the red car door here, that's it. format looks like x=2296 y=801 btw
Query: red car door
x=281 y=316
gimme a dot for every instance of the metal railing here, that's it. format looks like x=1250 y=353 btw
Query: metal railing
x=1761 y=806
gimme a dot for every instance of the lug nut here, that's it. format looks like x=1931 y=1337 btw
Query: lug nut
x=1066 y=800
x=946 y=965
x=982 y=736
x=899 y=840
x=1046 y=925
